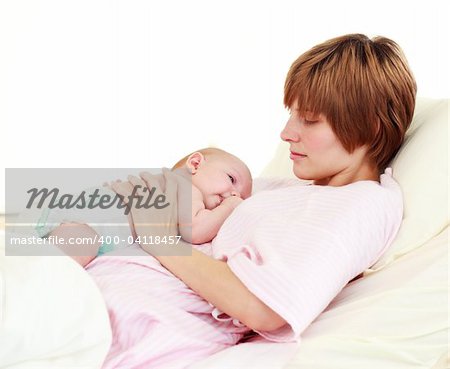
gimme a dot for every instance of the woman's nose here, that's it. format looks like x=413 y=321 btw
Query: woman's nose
x=288 y=134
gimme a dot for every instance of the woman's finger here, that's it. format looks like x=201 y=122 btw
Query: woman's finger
x=180 y=184
x=140 y=188
x=109 y=184
x=137 y=182
x=123 y=189
x=122 y=186
x=172 y=192
x=153 y=181
x=171 y=184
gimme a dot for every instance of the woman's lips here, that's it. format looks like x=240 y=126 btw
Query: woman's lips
x=296 y=155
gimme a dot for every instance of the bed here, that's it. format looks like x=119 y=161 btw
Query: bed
x=394 y=316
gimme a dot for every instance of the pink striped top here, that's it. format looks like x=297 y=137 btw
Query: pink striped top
x=295 y=247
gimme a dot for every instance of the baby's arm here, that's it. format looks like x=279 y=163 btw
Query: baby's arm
x=206 y=223
x=78 y=231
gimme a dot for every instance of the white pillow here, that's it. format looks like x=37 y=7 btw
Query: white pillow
x=52 y=314
x=280 y=165
x=421 y=169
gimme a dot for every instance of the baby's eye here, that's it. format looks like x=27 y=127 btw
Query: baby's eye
x=231 y=178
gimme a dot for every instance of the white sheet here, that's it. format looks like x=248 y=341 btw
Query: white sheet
x=52 y=314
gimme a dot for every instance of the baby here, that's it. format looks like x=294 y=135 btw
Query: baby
x=220 y=182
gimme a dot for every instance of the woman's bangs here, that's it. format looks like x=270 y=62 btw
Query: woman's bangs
x=313 y=96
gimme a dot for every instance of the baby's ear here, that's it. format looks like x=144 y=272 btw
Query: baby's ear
x=194 y=161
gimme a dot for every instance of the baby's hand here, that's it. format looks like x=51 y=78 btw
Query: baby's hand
x=231 y=201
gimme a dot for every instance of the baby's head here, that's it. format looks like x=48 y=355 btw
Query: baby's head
x=217 y=174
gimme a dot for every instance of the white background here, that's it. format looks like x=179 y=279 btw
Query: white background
x=92 y=83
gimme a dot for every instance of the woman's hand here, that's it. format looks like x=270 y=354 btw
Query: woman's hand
x=153 y=204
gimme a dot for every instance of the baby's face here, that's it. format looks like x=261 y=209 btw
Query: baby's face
x=222 y=176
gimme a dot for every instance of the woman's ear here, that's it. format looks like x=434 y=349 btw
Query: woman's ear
x=194 y=161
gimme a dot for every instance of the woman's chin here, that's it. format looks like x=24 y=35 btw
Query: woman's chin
x=299 y=173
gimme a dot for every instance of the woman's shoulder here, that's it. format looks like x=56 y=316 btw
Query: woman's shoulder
x=380 y=201
x=386 y=188
x=383 y=196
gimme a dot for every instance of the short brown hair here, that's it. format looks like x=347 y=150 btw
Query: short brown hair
x=363 y=86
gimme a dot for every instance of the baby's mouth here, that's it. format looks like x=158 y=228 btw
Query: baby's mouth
x=219 y=201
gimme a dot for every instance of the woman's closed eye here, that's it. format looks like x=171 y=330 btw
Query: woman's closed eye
x=310 y=121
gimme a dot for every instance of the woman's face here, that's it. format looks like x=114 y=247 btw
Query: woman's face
x=318 y=155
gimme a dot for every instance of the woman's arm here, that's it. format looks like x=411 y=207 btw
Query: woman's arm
x=77 y=231
x=211 y=279
x=215 y=282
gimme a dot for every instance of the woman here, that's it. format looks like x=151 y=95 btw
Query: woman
x=284 y=254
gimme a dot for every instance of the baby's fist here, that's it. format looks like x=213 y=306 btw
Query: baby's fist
x=232 y=201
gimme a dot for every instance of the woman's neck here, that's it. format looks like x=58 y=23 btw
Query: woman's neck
x=363 y=173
